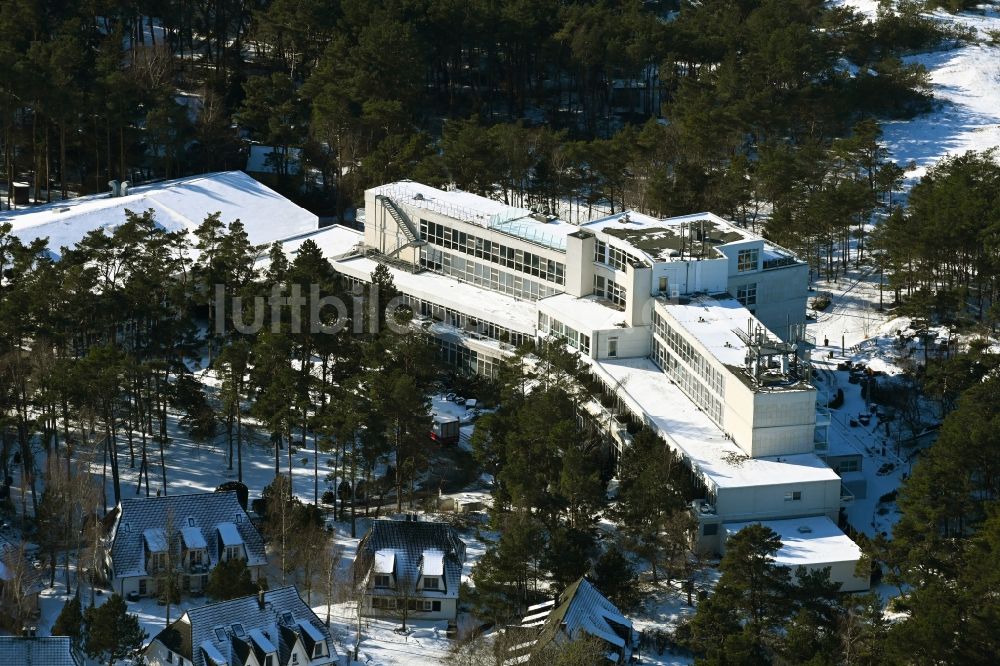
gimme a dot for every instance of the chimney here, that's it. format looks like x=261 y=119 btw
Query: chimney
x=260 y=599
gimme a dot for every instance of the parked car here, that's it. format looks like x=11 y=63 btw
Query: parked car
x=459 y=400
x=450 y=397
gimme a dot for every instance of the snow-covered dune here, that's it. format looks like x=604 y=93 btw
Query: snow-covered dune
x=966 y=87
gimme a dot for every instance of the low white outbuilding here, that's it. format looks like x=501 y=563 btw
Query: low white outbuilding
x=814 y=543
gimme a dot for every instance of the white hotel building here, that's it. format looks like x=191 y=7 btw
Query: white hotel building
x=691 y=322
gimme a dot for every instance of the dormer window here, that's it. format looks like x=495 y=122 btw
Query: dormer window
x=431 y=582
x=383 y=580
x=318 y=650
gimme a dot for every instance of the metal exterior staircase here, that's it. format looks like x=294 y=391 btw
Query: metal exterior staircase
x=403 y=223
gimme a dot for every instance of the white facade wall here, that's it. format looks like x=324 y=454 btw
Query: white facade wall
x=844 y=573
x=773 y=502
x=449 y=609
x=631 y=342
x=689 y=277
x=769 y=423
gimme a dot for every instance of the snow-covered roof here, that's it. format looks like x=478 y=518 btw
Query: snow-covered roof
x=213 y=653
x=548 y=231
x=226 y=629
x=448 y=292
x=720 y=326
x=315 y=634
x=807 y=542
x=582 y=609
x=37 y=651
x=262 y=641
x=668 y=239
x=136 y=515
x=582 y=314
x=385 y=561
x=456 y=204
x=193 y=537
x=713 y=322
x=409 y=541
x=156 y=539
x=433 y=563
x=333 y=241
x=648 y=391
x=229 y=534
x=180 y=204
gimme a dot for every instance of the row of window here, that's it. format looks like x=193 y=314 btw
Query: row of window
x=610 y=290
x=457 y=319
x=484 y=276
x=688 y=382
x=612 y=256
x=559 y=330
x=391 y=603
x=468 y=359
x=520 y=260
x=687 y=353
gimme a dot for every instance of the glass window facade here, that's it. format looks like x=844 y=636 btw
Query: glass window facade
x=468 y=360
x=573 y=338
x=610 y=290
x=482 y=275
x=521 y=261
x=691 y=371
x=612 y=256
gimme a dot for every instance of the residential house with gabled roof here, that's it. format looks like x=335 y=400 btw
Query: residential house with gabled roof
x=272 y=628
x=193 y=532
x=581 y=610
x=20 y=584
x=410 y=567
x=38 y=651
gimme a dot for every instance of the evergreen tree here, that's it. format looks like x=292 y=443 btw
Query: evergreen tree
x=70 y=621
x=740 y=622
x=111 y=632
x=229 y=580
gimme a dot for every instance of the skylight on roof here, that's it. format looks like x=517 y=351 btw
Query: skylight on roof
x=287 y=618
x=238 y=630
x=220 y=634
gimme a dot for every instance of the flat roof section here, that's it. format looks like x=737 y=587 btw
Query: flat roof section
x=488 y=213
x=672 y=238
x=713 y=321
x=448 y=292
x=644 y=387
x=583 y=314
x=456 y=204
x=334 y=241
x=806 y=542
x=721 y=324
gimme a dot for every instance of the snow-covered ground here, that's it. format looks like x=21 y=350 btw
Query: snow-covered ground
x=966 y=86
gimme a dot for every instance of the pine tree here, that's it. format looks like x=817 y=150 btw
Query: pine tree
x=70 y=621
x=111 y=632
x=230 y=579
